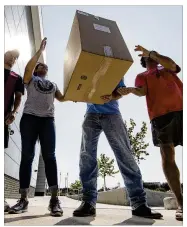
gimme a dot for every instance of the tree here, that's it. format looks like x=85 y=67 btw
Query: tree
x=137 y=140
x=76 y=186
x=106 y=168
x=165 y=186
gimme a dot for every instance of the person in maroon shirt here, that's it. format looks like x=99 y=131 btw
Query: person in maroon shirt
x=164 y=96
x=13 y=91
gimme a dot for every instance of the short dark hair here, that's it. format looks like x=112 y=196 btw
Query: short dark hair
x=143 y=62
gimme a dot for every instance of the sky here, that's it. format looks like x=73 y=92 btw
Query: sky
x=155 y=28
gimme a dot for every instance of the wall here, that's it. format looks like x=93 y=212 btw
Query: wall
x=18 y=34
x=120 y=197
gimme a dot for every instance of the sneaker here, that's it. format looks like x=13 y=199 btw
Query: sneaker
x=179 y=214
x=6 y=206
x=146 y=212
x=85 y=210
x=55 y=208
x=20 y=207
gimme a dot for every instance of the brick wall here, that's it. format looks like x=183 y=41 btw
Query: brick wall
x=11 y=188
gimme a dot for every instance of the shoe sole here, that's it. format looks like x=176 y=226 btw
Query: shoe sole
x=179 y=219
x=86 y=215
x=17 y=212
x=150 y=217
x=57 y=214
x=6 y=211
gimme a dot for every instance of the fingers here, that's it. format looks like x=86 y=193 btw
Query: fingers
x=43 y=43
x=44 y=40
x=138 y=48
x=120 y=90
x=10 y=120
x=123 y=91
x=106 y=98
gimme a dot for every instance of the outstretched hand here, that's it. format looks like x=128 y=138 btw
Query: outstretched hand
x=124 y=90
x=43 y=44
x=145 y=52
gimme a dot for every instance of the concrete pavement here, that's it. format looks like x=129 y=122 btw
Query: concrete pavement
x=106 y=215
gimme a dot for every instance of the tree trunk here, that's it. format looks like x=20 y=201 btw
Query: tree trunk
x=104 y=183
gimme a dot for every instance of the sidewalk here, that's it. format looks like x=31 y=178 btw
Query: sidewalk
x=106 y=215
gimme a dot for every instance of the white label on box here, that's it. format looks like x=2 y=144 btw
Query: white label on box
x=83 y=13
x=101 y=28
x=108 y=51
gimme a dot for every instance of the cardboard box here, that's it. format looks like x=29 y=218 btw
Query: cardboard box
x=96 y=59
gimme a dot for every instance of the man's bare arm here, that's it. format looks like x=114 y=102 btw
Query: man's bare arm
x=166 y=62
x=139 y=91
x=11 y=116
x=17 y=102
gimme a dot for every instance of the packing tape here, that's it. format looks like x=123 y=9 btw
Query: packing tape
x=105 y=64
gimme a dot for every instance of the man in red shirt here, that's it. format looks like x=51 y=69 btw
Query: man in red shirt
x=164 y=96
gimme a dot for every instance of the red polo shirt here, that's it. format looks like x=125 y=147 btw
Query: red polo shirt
x=164 y=91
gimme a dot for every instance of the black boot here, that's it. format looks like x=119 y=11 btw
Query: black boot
x=55 y=208
x=20 y=207
x=146 y=212
x=85 y=210
x=6 y=206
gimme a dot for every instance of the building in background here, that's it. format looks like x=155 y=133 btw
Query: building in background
x=23 y=31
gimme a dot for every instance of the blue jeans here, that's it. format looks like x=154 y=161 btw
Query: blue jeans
x=117 y=136
x=32 y=128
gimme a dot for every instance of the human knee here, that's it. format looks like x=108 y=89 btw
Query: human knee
x=168 y=153
x=49 y=156
x=27 y=158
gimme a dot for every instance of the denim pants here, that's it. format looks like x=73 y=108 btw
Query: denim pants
x=32 y=128
x=117 y=136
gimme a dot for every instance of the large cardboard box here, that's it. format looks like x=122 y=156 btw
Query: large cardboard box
x=96 y=59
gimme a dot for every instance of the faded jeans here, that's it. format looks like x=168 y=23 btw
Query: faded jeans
x=117 y=136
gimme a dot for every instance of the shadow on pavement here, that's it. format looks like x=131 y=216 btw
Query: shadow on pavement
x=8 y=220
x=76 y=221
x=137 y=221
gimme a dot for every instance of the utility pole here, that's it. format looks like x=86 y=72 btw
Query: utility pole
x=67 y=183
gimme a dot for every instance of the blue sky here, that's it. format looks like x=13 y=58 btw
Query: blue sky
x=154 y=27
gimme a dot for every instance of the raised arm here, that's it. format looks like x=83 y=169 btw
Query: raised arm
x=29 y=69
x=165 y=61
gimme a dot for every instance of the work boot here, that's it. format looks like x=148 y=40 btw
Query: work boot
x=85 y=210
x=20 y=207
x=55 y=208
x=146 y=212
x=6 y=206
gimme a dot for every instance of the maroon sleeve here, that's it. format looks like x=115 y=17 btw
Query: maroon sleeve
x=19 y=85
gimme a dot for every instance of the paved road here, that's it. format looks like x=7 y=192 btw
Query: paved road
x=106 y=215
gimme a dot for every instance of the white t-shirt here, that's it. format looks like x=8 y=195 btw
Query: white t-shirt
x=40 y=97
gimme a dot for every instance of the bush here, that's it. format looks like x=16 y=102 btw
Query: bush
x=160 y=190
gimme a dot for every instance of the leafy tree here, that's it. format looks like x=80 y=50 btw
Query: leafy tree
x=106 y=168
x=137 y=140
x=76 y=185
x=165 y=186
